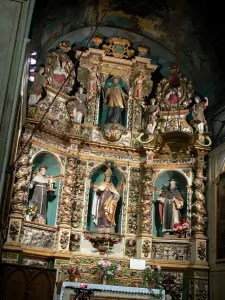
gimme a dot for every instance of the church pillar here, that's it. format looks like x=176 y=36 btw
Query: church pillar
x=198 y=206
x=65 y=208
x=145 y=242
x=20 y=193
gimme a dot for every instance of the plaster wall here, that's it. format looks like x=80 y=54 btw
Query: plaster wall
x=217 y=267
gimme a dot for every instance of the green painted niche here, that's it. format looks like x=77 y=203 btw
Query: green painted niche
x=116 y=179
x=103 y=108
x=53 y=169
x=163 y=180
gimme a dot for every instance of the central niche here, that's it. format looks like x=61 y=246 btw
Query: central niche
x=114 y=101
x=162 y=191
x=105 y=201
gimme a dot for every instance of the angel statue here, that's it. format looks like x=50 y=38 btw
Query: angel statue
x=106 y=197
x=38 y=86
x=142 y=86
x=198 y=113
x=150 y=114
x=41 y=185
x=77 y=107
x=116 y=100
x=93 y=81
x=170 y=204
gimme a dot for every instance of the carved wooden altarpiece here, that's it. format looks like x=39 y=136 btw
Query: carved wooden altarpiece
x=139 y=158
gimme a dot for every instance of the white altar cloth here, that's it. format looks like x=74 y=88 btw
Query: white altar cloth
x=110 y=291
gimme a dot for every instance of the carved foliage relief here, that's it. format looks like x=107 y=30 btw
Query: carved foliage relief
x=146 y=201
x=79 y=194
x=134 y=194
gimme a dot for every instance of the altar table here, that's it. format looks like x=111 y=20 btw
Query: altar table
x=108 y=292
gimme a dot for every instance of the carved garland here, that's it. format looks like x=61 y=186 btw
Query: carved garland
x=146 y=202
x=134 y=192
x=68 y=191
x=198 y=207
x=79 y=194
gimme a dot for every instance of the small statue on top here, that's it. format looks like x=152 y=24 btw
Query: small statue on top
x=198 y=113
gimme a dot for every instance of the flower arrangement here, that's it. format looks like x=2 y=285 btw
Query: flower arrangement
x=31 y=209
x=153 y=277
x=73 y=272
x=182 y=227
x=107 y=269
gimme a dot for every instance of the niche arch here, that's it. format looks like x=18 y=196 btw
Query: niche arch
x=96 y=176
x=160 y=180
x=55 y=169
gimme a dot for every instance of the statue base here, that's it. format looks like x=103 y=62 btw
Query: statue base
x=105 y=229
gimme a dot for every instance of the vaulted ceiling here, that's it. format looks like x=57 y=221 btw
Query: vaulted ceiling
x=198 y=25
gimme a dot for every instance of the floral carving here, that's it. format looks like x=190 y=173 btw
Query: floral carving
x=20 y=187
x=134 y=191
x=137 y=115
x=38 y=238
x=173 y=284
x=14 y=230
x=103 y=243
x=79 y=192
x=74 y=242
x=68 y=191
x=171 y=251
x=146 y=202
x=146 y=247
x=113 y=132
x=64 y=239
x=201 y=250
x=198 y=206
x=130 y=249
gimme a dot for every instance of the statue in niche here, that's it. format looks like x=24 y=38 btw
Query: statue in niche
x=116 y=100
x=138 y=85
x=106 y=197
x=37 y=89
x=77 y=107
x=142 y=86
x=93 y=81
x=150 y=114
x=198 y=113
x=173 y=95
x=41 y=185
x=170 y=204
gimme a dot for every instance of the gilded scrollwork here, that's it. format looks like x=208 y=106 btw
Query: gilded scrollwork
x=68 y=191
x=146 y=201
x=14 y=229
x=198 y=206
x=64 y=239
x=130 y=248
x=201 y=250
x=146 y=247
x=74 y=242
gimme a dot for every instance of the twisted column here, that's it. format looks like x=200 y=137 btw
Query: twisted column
x=198 y=206
x=68 y=191
x=146 y=201
x=20 y=188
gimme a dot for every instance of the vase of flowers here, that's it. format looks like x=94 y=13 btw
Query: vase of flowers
x=31 y=211
x=74 y=273
x=182 y=228
x=153 y=277
x=107 y=270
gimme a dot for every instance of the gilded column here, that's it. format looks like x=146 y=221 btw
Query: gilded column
x=65 y=208
x=145 y=242
x=146 y=201
x=198 y=206
x=20 y=194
